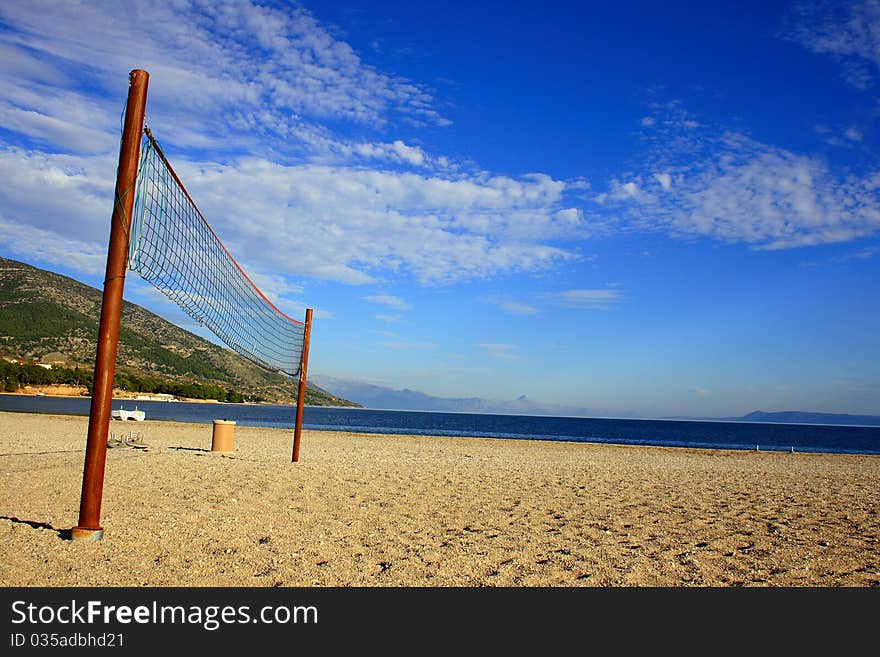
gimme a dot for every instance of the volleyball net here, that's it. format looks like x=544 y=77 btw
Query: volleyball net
x=172 y=246
x=157 y=231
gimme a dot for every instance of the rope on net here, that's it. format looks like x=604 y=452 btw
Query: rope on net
x=172 y=246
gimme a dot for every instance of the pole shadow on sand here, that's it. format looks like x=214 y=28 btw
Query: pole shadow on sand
x=63 y=534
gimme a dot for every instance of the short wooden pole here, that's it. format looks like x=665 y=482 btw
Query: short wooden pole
x=301 y=394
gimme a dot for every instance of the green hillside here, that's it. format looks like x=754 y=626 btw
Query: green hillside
x=53 y=318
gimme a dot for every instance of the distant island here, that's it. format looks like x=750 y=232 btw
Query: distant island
x=792 y=417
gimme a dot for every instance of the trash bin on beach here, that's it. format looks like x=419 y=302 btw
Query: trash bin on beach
x=221 y=440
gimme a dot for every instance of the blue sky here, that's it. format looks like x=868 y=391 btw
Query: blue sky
x=654 y=208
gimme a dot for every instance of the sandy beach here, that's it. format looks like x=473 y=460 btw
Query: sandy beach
x=379 y=510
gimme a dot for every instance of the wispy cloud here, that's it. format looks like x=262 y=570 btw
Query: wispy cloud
x=861 y=254
x=622 y=191
x=664 y=179
x=389 y=334
x=350 y=224
x=848 y=137
x=391 y=319
x=66 y=120
x=343 y=224
x=596 y=299
x=282 y=292
x=511 y=306
x=406 y=345
x=848 y=31
x=707 y=181
x=262 y=84
x=517 y=307
x=44 y=246
x=56 y=208
x=775 y=199
x=260 y=62
x=500 y=351
x=389 y=300
x=266 y=83
x=395 y=151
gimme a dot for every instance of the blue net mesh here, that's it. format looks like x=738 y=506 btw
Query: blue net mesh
x=173 y=247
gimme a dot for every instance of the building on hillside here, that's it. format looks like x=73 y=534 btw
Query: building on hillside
x=157 y=396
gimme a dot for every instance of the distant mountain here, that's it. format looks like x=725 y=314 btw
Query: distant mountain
x=48 y=317
x=792 y=417
x=374 y=396
x=801 y=417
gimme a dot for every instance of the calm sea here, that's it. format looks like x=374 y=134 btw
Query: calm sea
x=668 y=433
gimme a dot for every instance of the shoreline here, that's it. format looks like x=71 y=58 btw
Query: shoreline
x=830 y=444
x=407 y=510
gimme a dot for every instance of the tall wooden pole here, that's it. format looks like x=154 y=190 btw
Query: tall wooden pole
x=89 y=526
x=301 y=394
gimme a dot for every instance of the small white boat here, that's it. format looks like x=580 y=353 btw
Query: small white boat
x=123 y=414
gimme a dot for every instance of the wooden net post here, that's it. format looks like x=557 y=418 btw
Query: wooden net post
x=301 y=394
x=89 y=525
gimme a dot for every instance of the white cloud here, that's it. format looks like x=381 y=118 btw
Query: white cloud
x=571 y=216
x=861 y=254
x=864 y=254
x=588 y=299
x=848 y=31
x=68 y=197
x=517 y=307
x=389 y=300
x=624 y=190
x=394 y=152
x=351 y=224
x=846 y=137
x=729 y=187
x=410 y=154
x=619 y=191
x=277 y=289
x=389 y=334
x=250 y=70
x=38 y=245
x=339 y=223
x=257 y=84
x=773 y=199
x=405 y=345
x=388 y=318
x=664 y=179
x=511 y=306
x=67 y=121
x=500 y=351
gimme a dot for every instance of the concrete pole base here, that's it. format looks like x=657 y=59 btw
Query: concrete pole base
x=83 y=534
